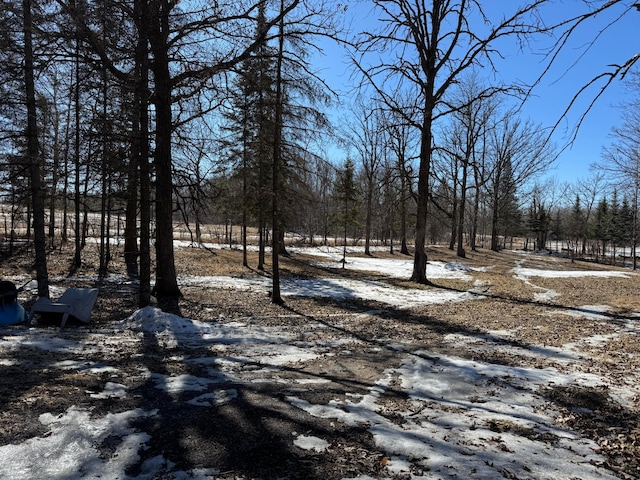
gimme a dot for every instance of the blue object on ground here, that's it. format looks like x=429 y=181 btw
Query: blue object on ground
x=11 y=312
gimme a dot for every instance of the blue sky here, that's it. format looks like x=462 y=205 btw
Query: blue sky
x=578 y=64
x=573 y=70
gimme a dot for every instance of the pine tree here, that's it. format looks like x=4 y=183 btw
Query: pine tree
x=614 y=211
x=539 y=223
x=250 y=121
x=346 y=194
x=576 y=230
x=624 y=234
x=507 y=217
x=602 y=224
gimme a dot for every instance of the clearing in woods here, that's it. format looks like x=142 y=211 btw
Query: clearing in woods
x=511 y=365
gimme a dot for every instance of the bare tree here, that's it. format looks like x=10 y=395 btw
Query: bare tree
x=519 y=151
x=33 y=155
x=178 y=77
x=565 y=30
x=276 y=297
x=399 y=134
x=162 y=39
x=621 y=160
x=367 y=136
x=464 y=146
x=589 y=190
x=431 y=44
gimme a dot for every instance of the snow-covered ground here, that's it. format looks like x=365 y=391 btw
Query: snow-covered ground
x=463 y=419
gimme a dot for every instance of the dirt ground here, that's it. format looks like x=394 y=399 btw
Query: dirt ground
x=257 y=426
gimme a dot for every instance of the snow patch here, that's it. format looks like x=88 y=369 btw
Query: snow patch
x=311 y=443
x=73 y=446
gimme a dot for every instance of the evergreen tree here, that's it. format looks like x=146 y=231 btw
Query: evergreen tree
x=614 y=232
x=602 y=225
x=624 y=234
x=576 y=229
x=274 y=80
x=539 y=223
x=557 y=228
x=507 y=215
x=347 y=196
x=250 y=121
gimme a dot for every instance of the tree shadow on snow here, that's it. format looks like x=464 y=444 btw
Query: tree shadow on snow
x=249 y=436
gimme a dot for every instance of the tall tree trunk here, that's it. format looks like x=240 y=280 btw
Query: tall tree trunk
x=462 y=206
x=102 y=270
x=37 y=192
x=634 y=235
x=419 y=274
x=65 y=186
x=109 y=217
x=403 y=210
x=495 y=214
x=368 y=219
x=85 y=207
x=476 y=212
x=277 y=158
x=454 y=219
x=495 y=240
x=245 y=260
x=77 y=260
x=55 y=167
x=475 y=217
x=131 y=251
x=131 y=209
x=167 y=291
x=261 y=239
x=145 y=190
x=461 y=210
x=143 y=155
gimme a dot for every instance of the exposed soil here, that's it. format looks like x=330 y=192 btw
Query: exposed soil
x=250 y=437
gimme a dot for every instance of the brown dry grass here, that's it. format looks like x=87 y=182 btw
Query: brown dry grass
x=504 y=303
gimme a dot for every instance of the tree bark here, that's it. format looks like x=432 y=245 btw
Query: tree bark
x=276 y=297
x=131 y=251
x=166 y=287
x=37 y=192
x=403 y=203
x=142 y=157
x=55 y=167
x=454 y=216
x=495 y=244
x=77 y=260
x=461 y=210
x=369 y=215
x=419 y=274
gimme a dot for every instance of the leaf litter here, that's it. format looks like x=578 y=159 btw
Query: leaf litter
x=360 y=377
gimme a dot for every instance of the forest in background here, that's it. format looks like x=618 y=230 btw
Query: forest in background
x=129 y=118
